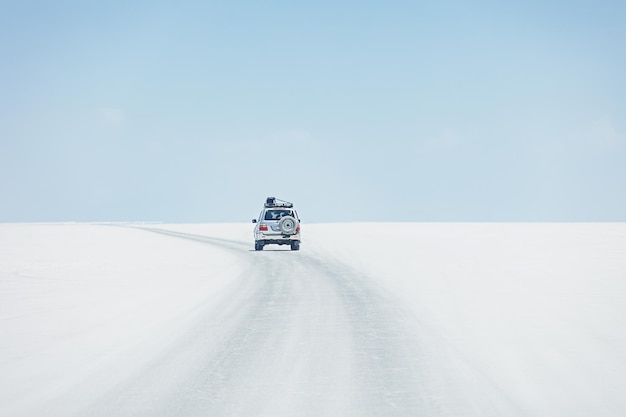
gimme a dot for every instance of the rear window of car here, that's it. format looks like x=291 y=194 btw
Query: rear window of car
x=277 y=214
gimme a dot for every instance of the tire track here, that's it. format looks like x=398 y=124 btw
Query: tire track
x=297 y=335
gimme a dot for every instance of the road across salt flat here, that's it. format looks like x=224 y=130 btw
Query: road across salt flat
x=297 y=336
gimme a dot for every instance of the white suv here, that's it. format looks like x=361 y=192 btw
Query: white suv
x=278 y=224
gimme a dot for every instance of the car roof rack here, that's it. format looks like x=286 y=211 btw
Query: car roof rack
x=275 y=202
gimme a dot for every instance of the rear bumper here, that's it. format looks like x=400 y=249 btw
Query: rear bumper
x=276 y=239
x=277 y=242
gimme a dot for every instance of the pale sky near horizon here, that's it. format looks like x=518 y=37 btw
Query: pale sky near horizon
x=195 y=111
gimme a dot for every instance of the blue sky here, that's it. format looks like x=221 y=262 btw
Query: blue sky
x=195 y=111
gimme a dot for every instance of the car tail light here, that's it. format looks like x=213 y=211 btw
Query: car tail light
x=262 y=228
x=298 y=228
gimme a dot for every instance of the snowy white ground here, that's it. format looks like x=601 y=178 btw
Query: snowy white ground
x=366 y=320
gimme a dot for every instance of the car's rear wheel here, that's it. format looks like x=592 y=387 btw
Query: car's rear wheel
x=258 y=245
x=295 y=245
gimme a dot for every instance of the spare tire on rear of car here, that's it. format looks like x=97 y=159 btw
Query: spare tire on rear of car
x=288 y=225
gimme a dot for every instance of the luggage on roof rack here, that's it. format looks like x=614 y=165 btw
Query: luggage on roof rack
x=275 y=202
